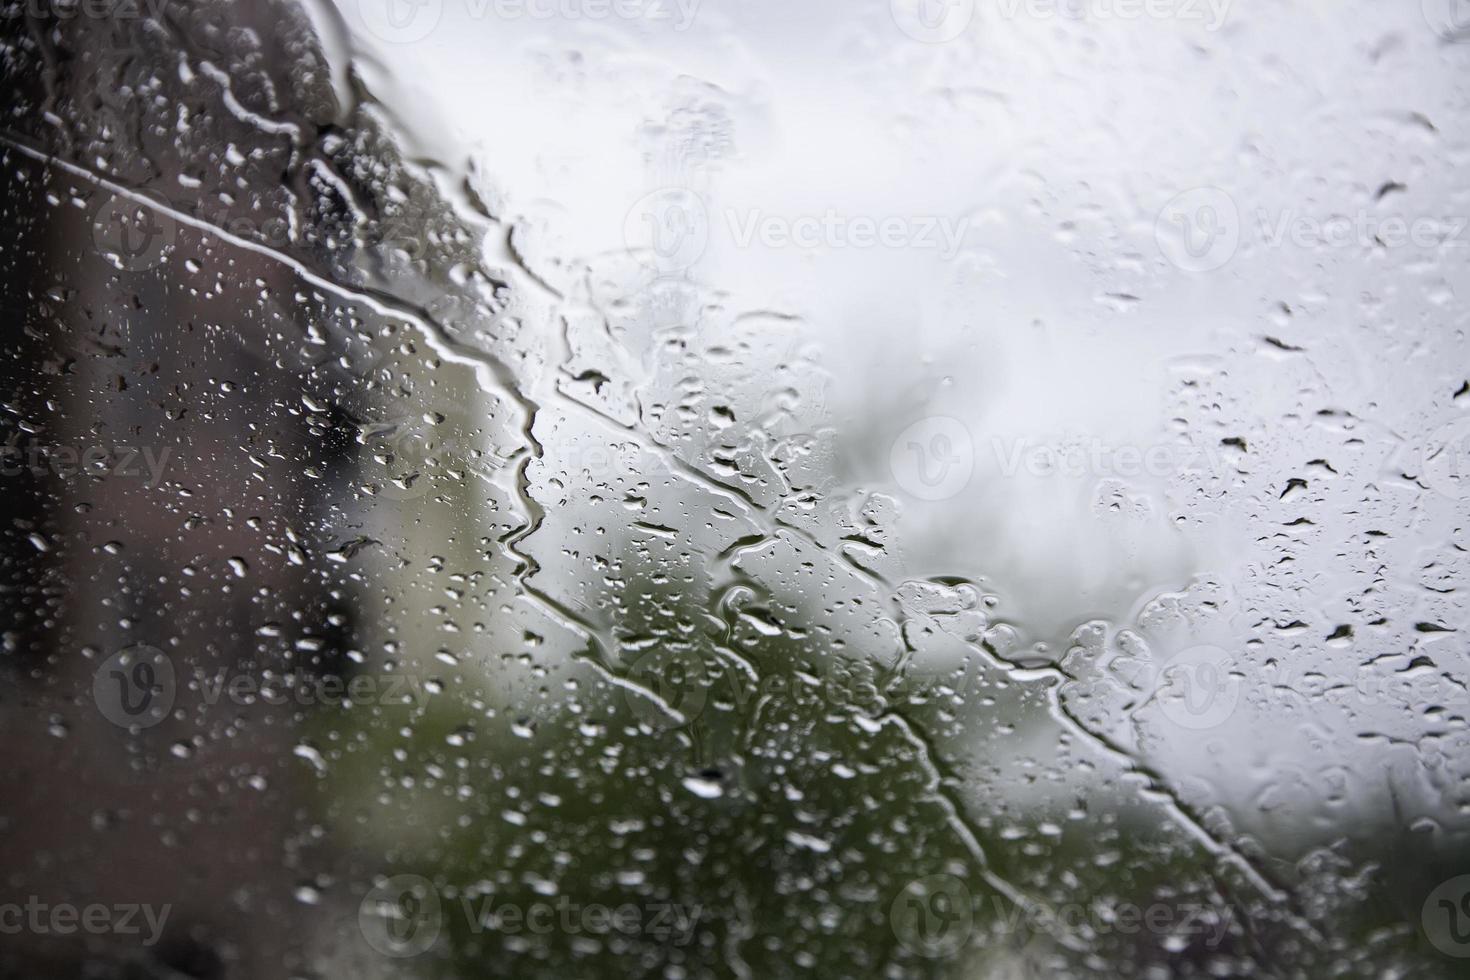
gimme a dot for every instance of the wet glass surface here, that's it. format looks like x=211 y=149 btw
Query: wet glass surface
x=696 y=488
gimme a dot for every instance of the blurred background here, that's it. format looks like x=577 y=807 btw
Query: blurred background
x=954 y=488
